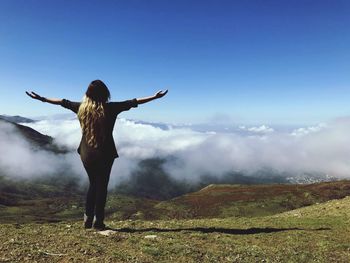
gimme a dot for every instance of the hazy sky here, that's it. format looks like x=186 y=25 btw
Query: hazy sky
x=273 y=62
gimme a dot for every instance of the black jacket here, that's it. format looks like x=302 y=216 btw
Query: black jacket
x=108 y=149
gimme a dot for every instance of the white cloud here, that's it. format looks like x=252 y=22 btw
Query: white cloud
x=258 y=129
x=21 y=159
x=323 y=149
x=65 y=132
x=306 y=130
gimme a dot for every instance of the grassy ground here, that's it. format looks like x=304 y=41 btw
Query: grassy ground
x=318 y=233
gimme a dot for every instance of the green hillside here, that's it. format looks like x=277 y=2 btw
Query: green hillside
x=251 y=200
x=40 y=201
x=318 y=233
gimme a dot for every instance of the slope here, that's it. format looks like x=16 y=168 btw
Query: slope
x=251 y=200
x=313 y=236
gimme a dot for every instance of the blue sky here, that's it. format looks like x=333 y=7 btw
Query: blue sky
x=272 y=62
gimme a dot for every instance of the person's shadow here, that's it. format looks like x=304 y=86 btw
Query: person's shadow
x=231 y=231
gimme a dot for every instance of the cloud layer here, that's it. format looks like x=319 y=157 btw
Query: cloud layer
x=320 y=149
x=19 y=158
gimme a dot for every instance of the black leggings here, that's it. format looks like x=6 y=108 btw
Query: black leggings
x=98 y=172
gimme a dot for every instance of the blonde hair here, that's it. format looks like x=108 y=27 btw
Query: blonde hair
x=91 y=115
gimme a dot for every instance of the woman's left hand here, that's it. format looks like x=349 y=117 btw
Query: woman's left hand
x=160 y=94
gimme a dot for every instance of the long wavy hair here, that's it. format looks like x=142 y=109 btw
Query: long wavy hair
x=92 y=115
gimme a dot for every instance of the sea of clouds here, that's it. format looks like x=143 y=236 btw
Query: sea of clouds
x=323 y=148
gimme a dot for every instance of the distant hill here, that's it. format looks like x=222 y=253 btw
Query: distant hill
x=151 y=180
x=16 y=119
x=251 y=200
x=332 y=208
x=35 y=138
x=46 y=200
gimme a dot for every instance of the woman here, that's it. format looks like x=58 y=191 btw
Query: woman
x=97 y=150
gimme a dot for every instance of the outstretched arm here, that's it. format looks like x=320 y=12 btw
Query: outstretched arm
x=158 y=95
x=35 y=96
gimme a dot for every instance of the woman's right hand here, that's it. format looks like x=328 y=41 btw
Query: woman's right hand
x=35 y=96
